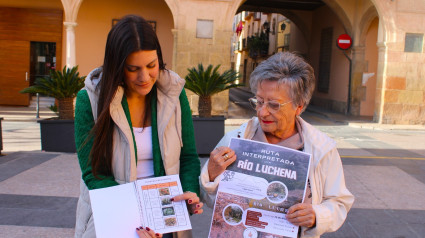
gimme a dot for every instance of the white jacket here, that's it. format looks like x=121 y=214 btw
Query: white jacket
x=169 y=86
x=331 y=199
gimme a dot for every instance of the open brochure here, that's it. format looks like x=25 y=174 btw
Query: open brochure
x=256 y=191
x=118 y=210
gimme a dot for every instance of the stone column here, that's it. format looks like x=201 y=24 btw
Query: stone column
x=174 y=32
x=194 y=45
x=380 y=83
x=70 y=43
x=70 y=8
x=358 y=91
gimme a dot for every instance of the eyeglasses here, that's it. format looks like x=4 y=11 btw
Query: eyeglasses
x=272 y=106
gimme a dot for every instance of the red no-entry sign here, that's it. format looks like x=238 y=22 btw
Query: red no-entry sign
x=344 y=42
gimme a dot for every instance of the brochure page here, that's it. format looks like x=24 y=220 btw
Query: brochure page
x=118 y=210
x=159 y=212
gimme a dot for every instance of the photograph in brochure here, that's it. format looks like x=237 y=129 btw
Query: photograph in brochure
x=118 y=210
x=256 y=191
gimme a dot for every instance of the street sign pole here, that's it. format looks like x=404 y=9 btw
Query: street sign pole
x=344 y=43
x=349 y=84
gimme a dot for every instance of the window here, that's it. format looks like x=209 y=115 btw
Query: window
x=413 y=42
x=42 y=59
x=325 y=60
x=286 y=38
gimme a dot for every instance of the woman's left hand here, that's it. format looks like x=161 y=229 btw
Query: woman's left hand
x=193 y=204
x=146 y=232
x=302 y=214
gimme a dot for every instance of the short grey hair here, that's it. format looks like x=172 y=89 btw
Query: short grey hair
x=290 y=70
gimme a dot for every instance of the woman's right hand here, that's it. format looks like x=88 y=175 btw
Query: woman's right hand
x=220 y=159
x=147 y=233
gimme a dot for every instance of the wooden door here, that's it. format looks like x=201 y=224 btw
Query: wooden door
x=14 y=65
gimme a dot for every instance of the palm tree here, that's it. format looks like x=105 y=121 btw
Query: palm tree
x=62 y=85
x=206 y=83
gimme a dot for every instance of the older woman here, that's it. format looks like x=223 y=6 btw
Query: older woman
x=283 y=86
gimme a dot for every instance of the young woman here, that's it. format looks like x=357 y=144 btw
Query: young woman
x=133 y=121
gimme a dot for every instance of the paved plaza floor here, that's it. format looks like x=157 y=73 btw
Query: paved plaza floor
x=384 y=169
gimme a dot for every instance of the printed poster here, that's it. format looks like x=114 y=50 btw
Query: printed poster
x=256 y=191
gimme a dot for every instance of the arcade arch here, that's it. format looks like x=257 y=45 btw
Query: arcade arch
x=350 y=17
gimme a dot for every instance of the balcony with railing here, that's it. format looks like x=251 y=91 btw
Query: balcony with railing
x=258 y=45
x=257 y=16
x=248 y=15
x=243 y=15
x=237 y=46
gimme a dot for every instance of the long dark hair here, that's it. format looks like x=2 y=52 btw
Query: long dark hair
x=131 y=34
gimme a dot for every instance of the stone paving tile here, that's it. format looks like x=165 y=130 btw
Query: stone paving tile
x=35 y=232
x=419 y=228
x=364 y=198
x=59 y=176
x=414 y=168
x=407 y=140
x=394 y=153
x=355 y=152
x=5 y=159
x=384 y=187
x=382 y=223
x=410 y=217
x=345 y=231
x=16 y=165
x=201 y=224
x=42 y=211
x=366 y=142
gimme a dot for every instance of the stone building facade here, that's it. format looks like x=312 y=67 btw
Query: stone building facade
x=386 y=79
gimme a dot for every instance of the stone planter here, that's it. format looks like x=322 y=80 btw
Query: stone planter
x=208 y=132
x=57 y=135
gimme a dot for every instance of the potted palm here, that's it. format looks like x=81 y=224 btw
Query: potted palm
x=205 y=83
x=57 y=134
